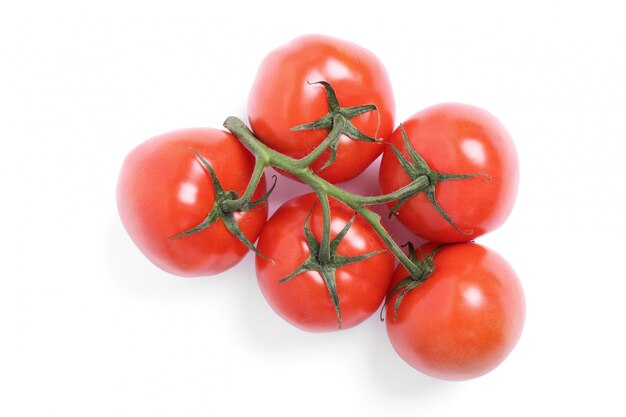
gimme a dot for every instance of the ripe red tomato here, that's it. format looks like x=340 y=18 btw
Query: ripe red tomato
x=282 y=97
x=457 y=139
x=464 y=319
x=304 y=300
x=164 y=190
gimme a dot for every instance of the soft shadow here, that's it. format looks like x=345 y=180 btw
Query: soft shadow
x=132 y=273
x=397 y=378
x=261 y=327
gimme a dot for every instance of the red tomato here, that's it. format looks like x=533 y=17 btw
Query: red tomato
x=304 y=300
x=464 y=319
x=282 y=98
x=457 y=139
x=164 y=190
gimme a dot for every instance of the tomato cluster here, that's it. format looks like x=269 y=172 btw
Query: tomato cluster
x=321 y=110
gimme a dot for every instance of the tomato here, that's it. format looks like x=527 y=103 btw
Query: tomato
x=456 y=139
x=284 y=96
x=163 y=190
x=304 y=300
x=464 y=319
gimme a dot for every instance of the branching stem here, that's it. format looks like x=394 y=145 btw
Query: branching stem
x=299 y=168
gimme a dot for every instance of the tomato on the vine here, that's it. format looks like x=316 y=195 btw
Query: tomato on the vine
x=464 y=319
x=455 y=138
x=163 y=190
x=305 y=300
x=286 y=94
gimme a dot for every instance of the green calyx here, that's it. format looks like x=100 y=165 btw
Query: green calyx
x=327 y=265
x=425 y=268
x=329 y=120
x=225 y=205
x=417 y=167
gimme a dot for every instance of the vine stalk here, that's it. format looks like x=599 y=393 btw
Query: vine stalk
x=265 y=157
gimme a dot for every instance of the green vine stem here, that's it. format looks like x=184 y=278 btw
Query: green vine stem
x=234 y=205
x=325 y=242
x=299 y=168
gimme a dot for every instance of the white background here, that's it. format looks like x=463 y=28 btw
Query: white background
x=91 y=328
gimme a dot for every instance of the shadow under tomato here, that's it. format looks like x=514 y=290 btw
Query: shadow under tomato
x=133 y=274
x=396 y=378
x=262 y=327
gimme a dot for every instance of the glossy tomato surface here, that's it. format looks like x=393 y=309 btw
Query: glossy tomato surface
x=304 y=301
x=464 y=319
x=282 y=97
x=164 y=190
x=456 y=139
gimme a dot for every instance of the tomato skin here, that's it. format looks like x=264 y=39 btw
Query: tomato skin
x=304 y=301
x=464 y=319
x=164 y=190
x=457 y=139
x=281 y=98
